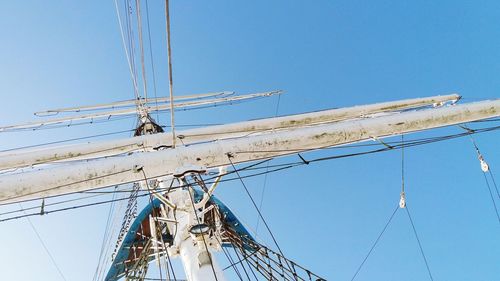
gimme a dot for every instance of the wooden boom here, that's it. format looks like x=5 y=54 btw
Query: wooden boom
x=23 y=158
x=85 y=175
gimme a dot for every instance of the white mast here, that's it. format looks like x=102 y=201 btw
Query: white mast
x=194 y=242
x=193 y=248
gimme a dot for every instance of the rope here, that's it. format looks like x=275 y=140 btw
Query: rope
x=152 y=61
x=267 y=169
x=66 y=140
x=63 y=209
x=170 y=79
x=419 y=244
x=141 y=48
x=115 y=223
x=402 y=165
x=255 y=205
x=160 y=234
x=231 y=262
x=494 y=182
x=247 y=256
x=51 y=204
x=402 y=204
x=491 y=196
x=131 y=45
x=132 y=75
x=486 y=170
x=241 y=263
x=375 y=243
x=104 y=237
x=44 y=246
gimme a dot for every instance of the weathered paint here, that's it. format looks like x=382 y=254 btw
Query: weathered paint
x=119 y=170
x=133 y=110
x=11 y=160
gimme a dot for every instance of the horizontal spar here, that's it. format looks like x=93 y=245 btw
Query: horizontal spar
x=128 y=103
x=16 y=159
x=134 y=111
x=119 y=170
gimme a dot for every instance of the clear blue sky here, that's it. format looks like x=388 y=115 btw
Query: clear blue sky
x=324 y=54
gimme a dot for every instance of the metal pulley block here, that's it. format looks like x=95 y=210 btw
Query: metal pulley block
x=402 y=201
x=484 y=166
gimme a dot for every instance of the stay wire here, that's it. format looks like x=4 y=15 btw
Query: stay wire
x=481 y=159
x=402 y=166
x=256 y=208
x=170 y=76
x=141 y=49
x=95 y=203
x=66 y=140
x=100 y=193
x=105 y=235
x=231 y=262
x=158 y=232
x=419 y=243
x=63 y=209
x=118 y=205
x=151 y=58
x=494 y=182
x=480 y=156
x=44 y=246
x=55 y=203
x=241 y=263
x=227 y=254
x=267 y=169
x=295 y=264
x=245 y=256
x=491 y=196
x=130 y=37
x=375 y=243
x=249 y=167
x=404 y=206
x=247 y=259
x=58 y=125
x=127 y=55
x=157 y=224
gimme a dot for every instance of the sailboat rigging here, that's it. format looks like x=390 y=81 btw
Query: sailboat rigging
x=166 y=177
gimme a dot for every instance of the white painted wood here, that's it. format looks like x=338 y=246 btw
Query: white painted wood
x=133 y=110
x=118 y=170
x=131 y=102
x=194 y=251
x=23 y=158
